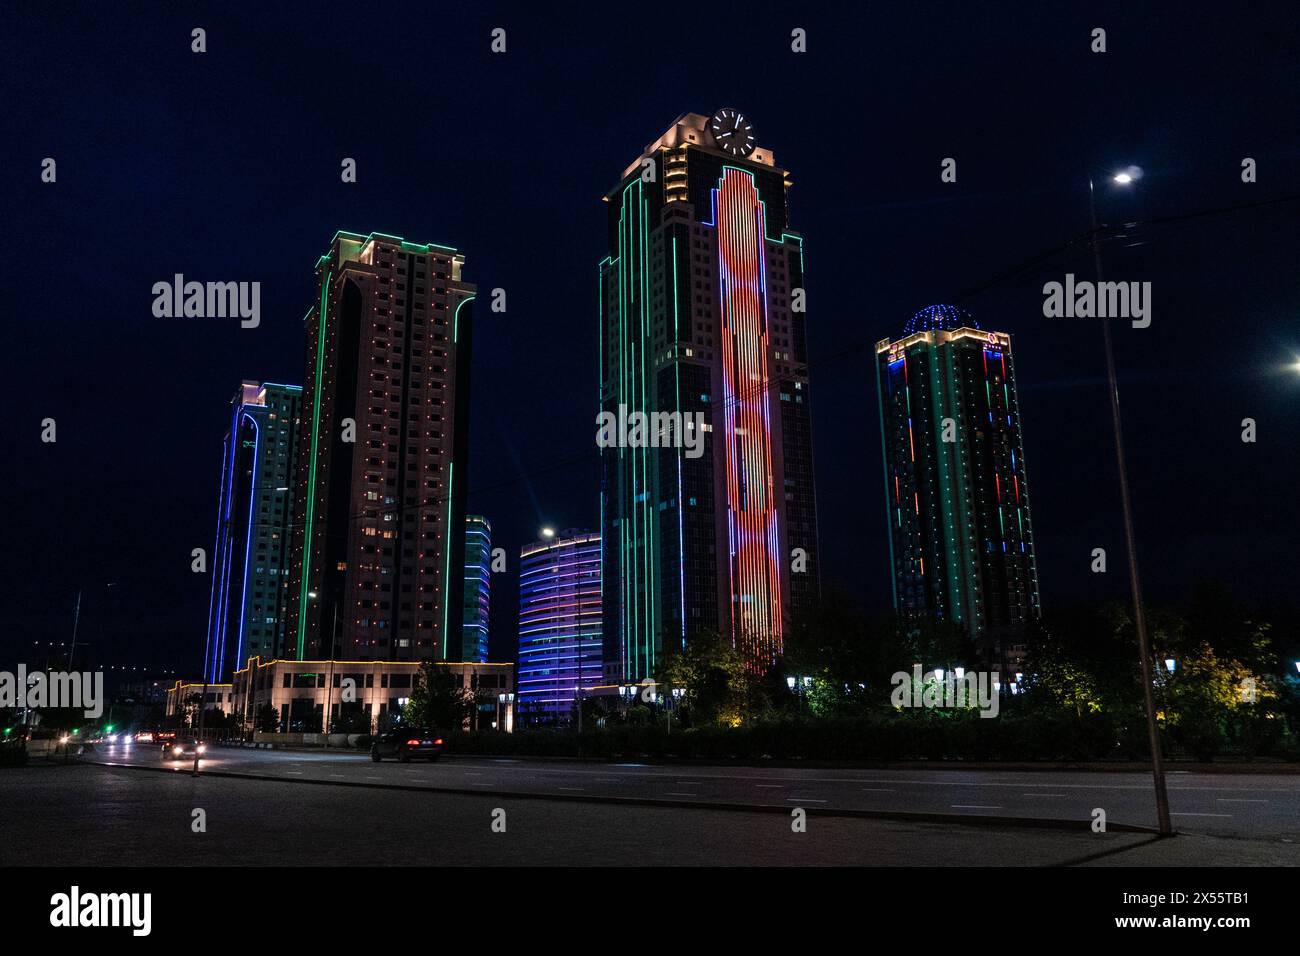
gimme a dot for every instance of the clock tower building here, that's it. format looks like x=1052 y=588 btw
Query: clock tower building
x=703 y=319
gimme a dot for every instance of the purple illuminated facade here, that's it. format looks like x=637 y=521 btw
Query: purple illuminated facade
x=250 y=577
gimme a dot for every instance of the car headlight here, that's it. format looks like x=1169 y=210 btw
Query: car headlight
x=202 y=748
x=176 y=749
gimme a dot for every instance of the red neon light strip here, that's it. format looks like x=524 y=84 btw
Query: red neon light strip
x=756 y=616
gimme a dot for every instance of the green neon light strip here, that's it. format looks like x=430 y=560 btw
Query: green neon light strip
x=311 y=474
x=455 y=322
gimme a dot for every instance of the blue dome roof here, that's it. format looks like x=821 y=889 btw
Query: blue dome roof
x=936 y=317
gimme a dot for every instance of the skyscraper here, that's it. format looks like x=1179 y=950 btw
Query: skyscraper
x=250 y=583
x=478 y=593
x=560 y=647
x=377 y=570
x=702 y=313
x=961 y=540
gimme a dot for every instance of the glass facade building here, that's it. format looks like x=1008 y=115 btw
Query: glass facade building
x=560 y=647
x=478 y=593
x=702 y=316
x=960 y=534
x=250 y=575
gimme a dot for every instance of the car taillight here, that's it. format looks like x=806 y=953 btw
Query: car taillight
x=438 y=742
x=412 y=743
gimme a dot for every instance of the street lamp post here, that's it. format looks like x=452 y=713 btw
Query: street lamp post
x=671 y=705
x=1130 y=540
x=329 y=678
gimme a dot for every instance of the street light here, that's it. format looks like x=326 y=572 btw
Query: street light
x=677 y=694
x=1125 y=178
x=1170 y=663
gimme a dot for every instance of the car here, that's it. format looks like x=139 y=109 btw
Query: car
x=183 y=747
x=406 y=743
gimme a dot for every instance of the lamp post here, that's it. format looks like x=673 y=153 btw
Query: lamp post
x=1130 y=540
x=670 y=705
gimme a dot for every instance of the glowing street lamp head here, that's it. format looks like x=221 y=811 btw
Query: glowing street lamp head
x=548 y=532
x=1127 y=176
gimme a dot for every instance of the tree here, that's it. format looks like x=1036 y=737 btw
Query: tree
x=268 y=719
x=713 y=674
x=438 y=700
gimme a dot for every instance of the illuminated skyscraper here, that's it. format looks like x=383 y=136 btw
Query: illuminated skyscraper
x=377 y=571
x=250 y=583
x=961 y=540
x=702 y=311
x=478 y=592
x=560 y=645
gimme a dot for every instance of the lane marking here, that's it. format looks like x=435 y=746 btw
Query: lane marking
x=1178 y=813
x=878 y=790
x=1240 y=800
x=803 y=800
x=972 y=806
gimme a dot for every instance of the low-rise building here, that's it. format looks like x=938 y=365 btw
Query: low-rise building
x=183 y=696
x=359 y=696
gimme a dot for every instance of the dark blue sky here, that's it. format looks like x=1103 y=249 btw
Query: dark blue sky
x=225 y=166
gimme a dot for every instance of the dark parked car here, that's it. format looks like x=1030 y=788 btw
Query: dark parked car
x=182 y=747
x=407 y=743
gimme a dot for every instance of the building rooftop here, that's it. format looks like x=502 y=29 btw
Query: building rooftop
x=939 y=318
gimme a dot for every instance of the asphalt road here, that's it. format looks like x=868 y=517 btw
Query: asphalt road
x=1251 y=806
x=83 y=814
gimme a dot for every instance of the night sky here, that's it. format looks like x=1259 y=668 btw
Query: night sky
x=224 y=166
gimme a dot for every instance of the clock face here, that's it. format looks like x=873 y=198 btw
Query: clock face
x=733 y=133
